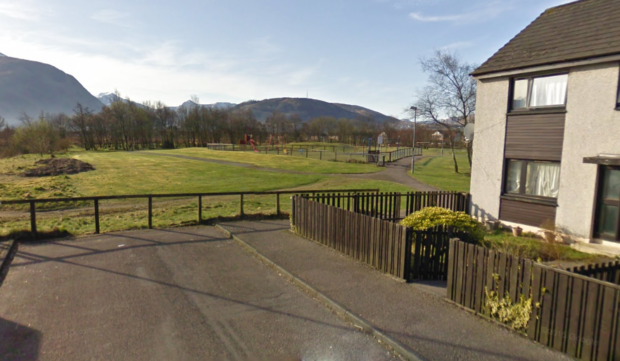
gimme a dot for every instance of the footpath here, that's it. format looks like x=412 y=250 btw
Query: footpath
x=414 y=315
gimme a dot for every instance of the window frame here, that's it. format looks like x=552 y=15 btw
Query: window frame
x=597 y=212
x=530 y=83
x=523 y=179
x=618 y=93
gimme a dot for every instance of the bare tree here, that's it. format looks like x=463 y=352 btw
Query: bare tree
x=450 y=93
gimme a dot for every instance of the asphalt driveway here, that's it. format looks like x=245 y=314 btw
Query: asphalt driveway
x=180 y=294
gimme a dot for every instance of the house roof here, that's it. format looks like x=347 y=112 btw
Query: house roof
x=577 y=31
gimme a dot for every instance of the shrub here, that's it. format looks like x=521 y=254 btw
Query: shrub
x=437 y=216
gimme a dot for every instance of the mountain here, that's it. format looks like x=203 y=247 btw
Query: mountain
x=109 y=98
x=33 y=87
x=218 y=105
x=308 y=109
x=365 y=112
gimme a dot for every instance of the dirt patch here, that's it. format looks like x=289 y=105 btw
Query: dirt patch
x=58 y=166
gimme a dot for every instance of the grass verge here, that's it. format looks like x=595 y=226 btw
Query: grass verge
x=438 y=171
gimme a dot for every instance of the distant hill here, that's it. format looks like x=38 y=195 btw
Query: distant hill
x=308 y=109
x=33 y=87
x=109 y=98
x=218 y=105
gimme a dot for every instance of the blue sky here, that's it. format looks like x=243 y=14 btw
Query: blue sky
x=362 y=52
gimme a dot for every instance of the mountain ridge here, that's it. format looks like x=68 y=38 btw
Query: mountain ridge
x=32 y=87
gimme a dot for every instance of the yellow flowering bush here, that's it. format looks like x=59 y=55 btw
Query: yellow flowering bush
x=437 y=216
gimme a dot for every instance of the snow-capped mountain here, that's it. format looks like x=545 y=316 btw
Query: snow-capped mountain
x=2 y=55
x=108 y=98
x=218 y=105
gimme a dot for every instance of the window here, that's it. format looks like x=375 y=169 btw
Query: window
x=532 y=178
x=547 y=91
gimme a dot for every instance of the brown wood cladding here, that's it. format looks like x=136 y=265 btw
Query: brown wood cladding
x=535 y=136
x=531 y=214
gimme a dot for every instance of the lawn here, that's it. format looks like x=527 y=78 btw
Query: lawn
x=285 y=162
x=119 y=173
x=438 y=171
x=534 y=248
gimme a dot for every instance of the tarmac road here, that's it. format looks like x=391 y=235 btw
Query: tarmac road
x=180 y=294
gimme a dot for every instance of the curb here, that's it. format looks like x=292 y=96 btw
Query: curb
x=342 y=311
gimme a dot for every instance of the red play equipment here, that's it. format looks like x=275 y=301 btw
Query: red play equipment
x=247 y=139
x=277 y=141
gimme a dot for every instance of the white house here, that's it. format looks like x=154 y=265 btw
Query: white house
x=547 y=144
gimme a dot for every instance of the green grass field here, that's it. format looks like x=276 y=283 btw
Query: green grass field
x=122 y=173
x=285 y=162
x=438 y=171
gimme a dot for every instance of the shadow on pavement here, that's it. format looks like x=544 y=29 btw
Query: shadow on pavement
x=18 y=342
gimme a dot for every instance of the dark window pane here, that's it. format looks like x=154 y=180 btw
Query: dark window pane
x=611 y=184
x=513 y=179
x=608 y=217
x=519 y=97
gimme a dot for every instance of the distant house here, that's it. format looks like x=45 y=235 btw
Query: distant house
x=437 y=137
x=547 y=143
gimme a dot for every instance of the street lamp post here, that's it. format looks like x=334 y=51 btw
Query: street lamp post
x=415 y=114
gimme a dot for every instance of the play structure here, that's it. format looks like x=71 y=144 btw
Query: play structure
x=276 y=141
x=247 y=139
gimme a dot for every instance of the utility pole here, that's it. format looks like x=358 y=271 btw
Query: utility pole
x=415 y=114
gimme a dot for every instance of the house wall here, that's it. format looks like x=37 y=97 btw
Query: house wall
x=488 y=149
x=592 y=127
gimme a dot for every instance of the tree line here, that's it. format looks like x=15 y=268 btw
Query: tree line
x=126 y=125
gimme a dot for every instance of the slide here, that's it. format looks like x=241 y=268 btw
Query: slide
x=253 y=145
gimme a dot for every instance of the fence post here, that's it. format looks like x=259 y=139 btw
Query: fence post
x=33 y=220
x=241 y=205
x=336 y=156
x=278 y=204
x=293 y=210
x=150 y=212
x=199 y=209
x=408 y=245
x=96 y=216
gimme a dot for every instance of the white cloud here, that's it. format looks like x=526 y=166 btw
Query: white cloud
x=484 y=11
x=458 y=45
x=420 y=17
x=21 y=10
x=112 y=17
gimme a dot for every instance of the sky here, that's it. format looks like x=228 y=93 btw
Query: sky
x=361 y=52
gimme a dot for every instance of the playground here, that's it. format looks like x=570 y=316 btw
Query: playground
x=375 y=151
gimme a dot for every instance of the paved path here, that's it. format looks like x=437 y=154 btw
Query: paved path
x=411 y=314
x=394 y=172
x=397 y=172
x=180 y=294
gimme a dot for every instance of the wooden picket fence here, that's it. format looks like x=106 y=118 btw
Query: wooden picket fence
x=387 y=246
x=455 y=201
x=388 y=205
x=385 y=206
x=576 y=315
x=430 y=248
x=609 y=272
x=381 y=244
